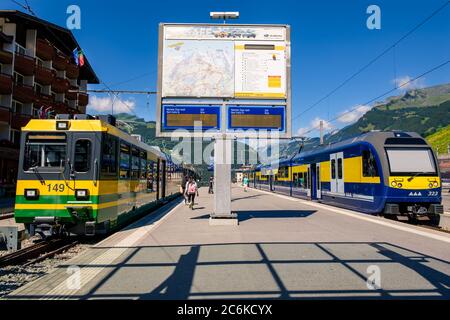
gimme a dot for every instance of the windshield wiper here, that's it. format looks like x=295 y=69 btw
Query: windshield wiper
x=414 y=176
x=38 y=174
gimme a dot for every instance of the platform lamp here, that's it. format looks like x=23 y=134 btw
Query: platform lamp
x=224 y=15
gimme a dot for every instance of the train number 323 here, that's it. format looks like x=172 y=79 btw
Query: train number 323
x=56 y=187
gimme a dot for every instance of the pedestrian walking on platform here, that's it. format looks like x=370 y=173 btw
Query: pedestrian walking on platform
x=192 y=191
x=211 y=185
x=245 y=184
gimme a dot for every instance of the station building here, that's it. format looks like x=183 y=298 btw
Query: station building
x=39 y=77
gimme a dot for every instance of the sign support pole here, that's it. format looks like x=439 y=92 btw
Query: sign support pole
x=222 y=214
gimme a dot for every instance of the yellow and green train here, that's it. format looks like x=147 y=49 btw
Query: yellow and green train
x=82 y=175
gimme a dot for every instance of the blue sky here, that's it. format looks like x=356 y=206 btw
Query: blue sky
x=330 y=41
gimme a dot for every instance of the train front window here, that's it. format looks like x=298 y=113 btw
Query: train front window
x=411 y=161
x=82 y=155
x=45 y=151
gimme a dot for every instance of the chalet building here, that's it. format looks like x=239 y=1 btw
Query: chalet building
x=38 y=72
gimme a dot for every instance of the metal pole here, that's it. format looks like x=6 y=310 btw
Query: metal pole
x=321 y=132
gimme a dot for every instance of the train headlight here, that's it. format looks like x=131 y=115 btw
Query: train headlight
x=430 y=185
x=31 y=194
x=394 y=184
x=436 y=184
x=400 y=185
x=62 y=125
x=82 y=194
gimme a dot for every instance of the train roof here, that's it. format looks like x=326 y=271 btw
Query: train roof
x=377 y=138
x=90 y=125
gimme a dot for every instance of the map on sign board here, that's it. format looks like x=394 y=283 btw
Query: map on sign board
x=195 y=68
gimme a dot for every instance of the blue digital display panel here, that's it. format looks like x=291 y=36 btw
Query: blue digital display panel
x=184 y=117
x=256 y=118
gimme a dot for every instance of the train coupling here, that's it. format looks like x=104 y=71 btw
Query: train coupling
x=44 y=226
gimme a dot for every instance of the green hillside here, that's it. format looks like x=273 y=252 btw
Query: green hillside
x=440 y=140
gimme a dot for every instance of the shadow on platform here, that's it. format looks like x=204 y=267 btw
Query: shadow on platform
x=260 y=214
x=287 y=270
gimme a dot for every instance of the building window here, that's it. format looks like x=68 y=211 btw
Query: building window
x=17 y=107
x=370 y=168
x=82 y=155
x=20 y=50
x=15 y=137
x=38 y=88
x=18 y=78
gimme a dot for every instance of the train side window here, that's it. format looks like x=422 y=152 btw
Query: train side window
x=124 y=161
x=340 y=169
x=143 y=165
x=370 y=168
x=135 y=163
x=333 y=169
x=82 y=155
x=109 y=155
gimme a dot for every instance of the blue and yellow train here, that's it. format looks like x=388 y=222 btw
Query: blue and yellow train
x=390 y=173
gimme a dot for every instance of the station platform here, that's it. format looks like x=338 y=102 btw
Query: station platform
x=283 y=248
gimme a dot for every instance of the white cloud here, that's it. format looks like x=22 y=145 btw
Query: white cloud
x=352 y=115
x=98 y=104
x=315 y=126
x=404 y=83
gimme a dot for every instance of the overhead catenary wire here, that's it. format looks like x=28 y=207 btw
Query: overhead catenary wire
x=441 y=65
x=372 y=61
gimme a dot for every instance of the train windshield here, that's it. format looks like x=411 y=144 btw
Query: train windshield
x=411 y=161
x=45 y=151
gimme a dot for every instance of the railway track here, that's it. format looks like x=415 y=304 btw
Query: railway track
x=37 y=252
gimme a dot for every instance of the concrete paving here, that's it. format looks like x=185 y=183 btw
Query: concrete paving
x=283 y=248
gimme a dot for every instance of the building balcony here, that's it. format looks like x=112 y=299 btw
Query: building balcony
x=44 y=75
x=72 y=71
x=24 y=64
x=19 y=120
x=60 y=108
x=5 y=114
x=83 y=99
x=23 y=93
x=4 y=38
x=44 y=50
x=6 y=57
x=43 y=100
x=60 y=62
x=71 y=94
x=60 y=85
x=6 y=84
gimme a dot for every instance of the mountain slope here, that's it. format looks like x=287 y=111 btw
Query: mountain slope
x=440 y=140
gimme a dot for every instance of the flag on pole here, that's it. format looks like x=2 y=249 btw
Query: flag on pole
x=78 y=56
x=75 y=56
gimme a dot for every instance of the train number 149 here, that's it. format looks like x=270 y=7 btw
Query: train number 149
x=56 y=187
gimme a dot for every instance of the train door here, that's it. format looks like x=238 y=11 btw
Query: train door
x=84 y=165
x=318 y=182
x=308 y=182
x=337 y=173
x=313 y=181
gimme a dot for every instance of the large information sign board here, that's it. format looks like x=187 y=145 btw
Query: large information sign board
x=217 y=65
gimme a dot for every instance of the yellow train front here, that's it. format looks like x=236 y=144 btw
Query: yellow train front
x=82 y=175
